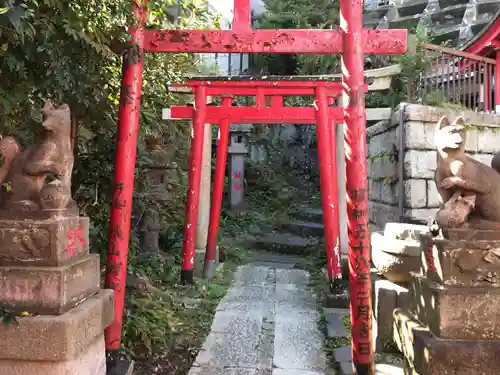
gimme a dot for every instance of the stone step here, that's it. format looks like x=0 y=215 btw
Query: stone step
x=446 y=3
x=284 y=243
x=334 y=319
x=385 y=365
x=337 y=300
x=345 y=368
x=308 y=214
x=412 y=7
x=304 y=228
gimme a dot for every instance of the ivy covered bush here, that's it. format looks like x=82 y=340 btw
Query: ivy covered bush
x=71 y=51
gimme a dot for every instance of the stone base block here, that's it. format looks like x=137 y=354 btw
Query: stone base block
x=395 y=258
x=387 y=296
x=337 y=300
x=470 y=234
x=428 y=355
x=43 y=242
x=90 y=362
x=199 y=260
x=456 y=312
x=50 y=290
x=473 y=263
x=57 y=338
x=121 y=367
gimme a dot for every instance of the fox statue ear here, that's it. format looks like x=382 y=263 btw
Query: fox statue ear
x=459 y=121
x=443 y=123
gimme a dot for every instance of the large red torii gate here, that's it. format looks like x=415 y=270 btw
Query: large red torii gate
x=352 y=41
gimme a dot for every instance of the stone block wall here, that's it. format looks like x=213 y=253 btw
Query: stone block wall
x=418 y=158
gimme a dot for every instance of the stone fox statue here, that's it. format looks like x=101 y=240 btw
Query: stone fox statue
x=458 y=172
x=23 y=174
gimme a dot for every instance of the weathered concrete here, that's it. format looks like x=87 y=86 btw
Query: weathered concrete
x=90 y=362
x=49 y=290
x=394 y=258
x=455 y=312
x=387 y=297
x=121 y=367
x=309 y=214
x=469 y=263
x=43 y=242
x=266 y=324
x=284 y=243
x=58 y=338
x=335 y=326
x=426 y=354
x=304 y=228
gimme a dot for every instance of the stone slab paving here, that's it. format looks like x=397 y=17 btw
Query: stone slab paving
x=267 y=324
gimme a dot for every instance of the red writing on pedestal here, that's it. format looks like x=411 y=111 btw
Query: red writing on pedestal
x=75 y=241
x=237 y=184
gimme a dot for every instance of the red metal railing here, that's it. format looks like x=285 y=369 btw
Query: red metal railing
x=458 y=79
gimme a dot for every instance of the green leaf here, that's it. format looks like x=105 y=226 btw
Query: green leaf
x=4 y=10
x=15 y=15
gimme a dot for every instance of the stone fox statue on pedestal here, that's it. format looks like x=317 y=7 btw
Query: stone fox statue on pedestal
x=23 y=174
x=476 y=182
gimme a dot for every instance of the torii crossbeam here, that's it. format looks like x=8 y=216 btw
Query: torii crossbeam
x=352 y=42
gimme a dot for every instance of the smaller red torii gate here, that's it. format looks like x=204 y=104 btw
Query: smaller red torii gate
x=352 y=41
x=271 y=90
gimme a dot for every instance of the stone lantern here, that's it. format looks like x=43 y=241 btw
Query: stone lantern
x=155 y=195
x=238 y=148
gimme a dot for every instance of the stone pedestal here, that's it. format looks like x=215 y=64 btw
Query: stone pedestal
x=46 y=271
x=396 y=251
x=387 y=296
x=451 y=325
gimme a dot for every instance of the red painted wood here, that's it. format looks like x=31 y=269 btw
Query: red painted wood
x=242 y=15
x=287 y=91
x=335 y=276
x=357 y=188
x=249 y=115
x=257 y=83
x=244 y=40
x=125 y=161
x=497 y=84
x=267 y=88
x=217 y=193
x=199 y=116
x=487 y=89
x=482 y=45
x=271 y=41
x=328 y=181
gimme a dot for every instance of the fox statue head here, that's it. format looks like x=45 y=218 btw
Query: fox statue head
x=450 y=137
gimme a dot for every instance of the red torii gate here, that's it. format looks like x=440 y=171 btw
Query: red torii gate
x=325 y=114
x=352 y=41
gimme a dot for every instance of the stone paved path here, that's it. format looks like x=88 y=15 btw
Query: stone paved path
x=267 y=324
